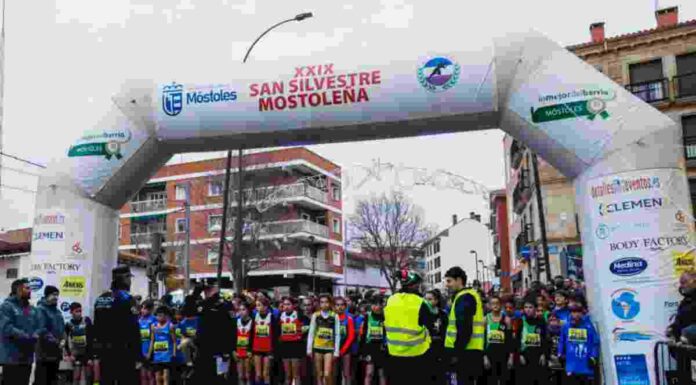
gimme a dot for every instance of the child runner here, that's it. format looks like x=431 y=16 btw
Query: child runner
x=78 y=332
x=162 y=346
x=532 y=343
x=437 y=330
x=179 y=363
x=373 y=343
x=145 y=322
x=347 y=336
x=290 y=347
x=324 y=341
x=242 y=355
x=499 y=343
x=553 y=332
x=189 y=328
x=561 y=310
x=578 y=345
x=264 y=334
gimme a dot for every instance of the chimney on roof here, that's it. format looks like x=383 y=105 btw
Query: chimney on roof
x=477 y=217
x=597 y=32
x=454 y=219
x=472 y=215
x=667 y=17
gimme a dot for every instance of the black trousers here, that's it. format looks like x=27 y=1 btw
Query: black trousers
x=409 y=370
x=532 y=374
x=115 y=370
x=16 y=374
x=46 y=373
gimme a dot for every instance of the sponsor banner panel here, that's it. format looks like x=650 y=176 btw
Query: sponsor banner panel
x=642 y=242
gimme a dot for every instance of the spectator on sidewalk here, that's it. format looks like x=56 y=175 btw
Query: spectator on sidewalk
x=50 y=330
x=17 y=334
x=683 y=329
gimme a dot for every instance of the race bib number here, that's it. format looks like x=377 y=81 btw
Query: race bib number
x=145 y=334
x=263 y=330
x=324 y=339
x=577 y=335
x=496 y=337
x=289 y=328
x=242 y=341
x=161 y=346
x=533 y=339
x=79 y=340
x=190 y=332
x=376 y=332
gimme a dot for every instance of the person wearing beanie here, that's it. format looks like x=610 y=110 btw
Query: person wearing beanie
x=51 y=331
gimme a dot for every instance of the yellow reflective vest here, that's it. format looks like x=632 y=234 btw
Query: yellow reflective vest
x=405 y=337
x=477 y=335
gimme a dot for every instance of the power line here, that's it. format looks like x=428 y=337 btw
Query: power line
x=17 y=188
x=22 y=160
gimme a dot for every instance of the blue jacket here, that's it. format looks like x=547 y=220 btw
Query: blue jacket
x=51 y=329
x=579 y=347
x=17 y=327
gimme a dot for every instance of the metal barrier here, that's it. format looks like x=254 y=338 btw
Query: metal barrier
x=675 y=364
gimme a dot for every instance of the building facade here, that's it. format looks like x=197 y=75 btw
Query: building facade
x=292 y=219
x=498 y=225
x=362 y=273
x=467 y=244
x=657 y=65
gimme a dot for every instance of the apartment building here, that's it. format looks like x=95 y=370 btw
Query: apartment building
x=467 y=244
x=657 y=65
x=292 y=219
x=498 y=225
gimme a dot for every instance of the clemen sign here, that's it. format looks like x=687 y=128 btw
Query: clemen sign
x=626 y=267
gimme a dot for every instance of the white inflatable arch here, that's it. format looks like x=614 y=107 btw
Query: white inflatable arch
x=631 y=187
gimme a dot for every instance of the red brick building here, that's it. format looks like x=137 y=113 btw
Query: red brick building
x=293 y=218
x=501 y=239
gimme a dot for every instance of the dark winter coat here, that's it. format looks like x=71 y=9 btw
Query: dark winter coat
x=17 y=327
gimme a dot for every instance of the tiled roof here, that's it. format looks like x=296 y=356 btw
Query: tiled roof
x=644 y=32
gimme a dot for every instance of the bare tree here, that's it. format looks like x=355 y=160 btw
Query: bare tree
x=389 y=227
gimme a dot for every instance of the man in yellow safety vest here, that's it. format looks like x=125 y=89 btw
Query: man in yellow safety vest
x=465 y=328
x=407 y=317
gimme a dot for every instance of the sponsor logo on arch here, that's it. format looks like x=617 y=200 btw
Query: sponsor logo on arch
x=439 y=74
x=588 y=103
x=606 y=209
x=106 y=143
x=628 y=266
x=175 y=97
x=625 y=185
x=625 y=304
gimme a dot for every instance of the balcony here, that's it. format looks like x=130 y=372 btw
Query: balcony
x=279 y=265
x=684 y=85
x=297 y=226
x=144 y=235
x=690 y=148
x=148 y=205
x=651 y=91
x=522 y=192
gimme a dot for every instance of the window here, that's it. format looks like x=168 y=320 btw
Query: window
x=336 y=258
x=179 y=257
x=212 y=257
x=180 y=192
x=306 y=252
x=647 y=80
x=181 y=225
x=12 y=273
x=436 y=247
x=215 y=188
x=336 y=193
x=686 y=75
x=438 y=277
x=120 y=230
x=689 y=135
x=437 y=262
x=305 y=217
x=214 y=222
x=336 y=226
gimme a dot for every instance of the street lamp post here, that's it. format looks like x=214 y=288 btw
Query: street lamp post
x=237 y=261
x=483 y=273
x=475 y=262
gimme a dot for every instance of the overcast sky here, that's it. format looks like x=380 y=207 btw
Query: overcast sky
x=65 y=58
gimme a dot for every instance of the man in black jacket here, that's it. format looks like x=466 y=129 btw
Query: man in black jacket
x=686 y=312
x=116 y=331
x=216 y=338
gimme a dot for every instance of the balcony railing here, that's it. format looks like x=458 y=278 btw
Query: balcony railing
x=281 y=264
x=301 y=190
x=651 y=91
x=690 y=148
x=146 y=236
x=516 y=152
x=147 y=206
x=298 y=226
x=685 y=85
